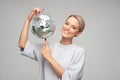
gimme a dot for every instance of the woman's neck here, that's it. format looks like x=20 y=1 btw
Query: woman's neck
x=66 y=41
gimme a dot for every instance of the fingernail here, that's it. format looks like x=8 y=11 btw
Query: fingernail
x=45 y=39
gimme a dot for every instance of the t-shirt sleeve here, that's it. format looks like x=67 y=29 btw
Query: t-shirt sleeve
x=29 y=51
x=75 y=70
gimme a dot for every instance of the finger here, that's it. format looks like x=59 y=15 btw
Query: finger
x=42 y=50
x=38 y=10
x=46 y=42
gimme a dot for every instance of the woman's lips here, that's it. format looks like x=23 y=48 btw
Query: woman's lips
x=66 y=32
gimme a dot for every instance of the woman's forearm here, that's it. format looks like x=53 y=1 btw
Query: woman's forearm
x=24 y=34
x=46 y=53
x=59 y=70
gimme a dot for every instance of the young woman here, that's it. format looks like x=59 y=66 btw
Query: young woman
x=62 y=60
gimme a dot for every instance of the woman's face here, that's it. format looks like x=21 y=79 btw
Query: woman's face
x=70 y=28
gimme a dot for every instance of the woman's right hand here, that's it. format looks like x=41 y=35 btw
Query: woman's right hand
x=24 y=33
x=34 y=12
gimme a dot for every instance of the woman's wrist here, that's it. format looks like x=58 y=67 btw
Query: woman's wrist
x=27 y=20
x=57 y=68
x=50 y=59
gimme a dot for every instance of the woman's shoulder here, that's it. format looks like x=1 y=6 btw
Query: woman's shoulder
x=78 y=47
x=79 y=50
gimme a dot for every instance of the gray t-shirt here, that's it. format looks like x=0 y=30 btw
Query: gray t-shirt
x=70 y=57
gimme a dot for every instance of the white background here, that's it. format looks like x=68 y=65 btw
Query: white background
x=100 y=38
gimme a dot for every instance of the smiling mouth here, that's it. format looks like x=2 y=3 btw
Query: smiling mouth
x=66 y=32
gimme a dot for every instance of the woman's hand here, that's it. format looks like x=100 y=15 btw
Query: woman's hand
x=45 y=51
x=34 y=12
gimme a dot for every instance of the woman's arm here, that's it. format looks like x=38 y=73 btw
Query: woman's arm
x=45 y=51
x=73 y=72
x=24 y=33
x=59 y=70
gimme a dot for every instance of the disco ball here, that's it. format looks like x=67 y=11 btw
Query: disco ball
x=43 y=26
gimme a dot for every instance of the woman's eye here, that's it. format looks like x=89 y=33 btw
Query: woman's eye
x=74 y=27
x=66 y=23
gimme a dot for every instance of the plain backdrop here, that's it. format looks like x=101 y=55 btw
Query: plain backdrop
x=101 y=37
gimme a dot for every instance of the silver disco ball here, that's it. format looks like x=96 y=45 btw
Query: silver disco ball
x=43 y=26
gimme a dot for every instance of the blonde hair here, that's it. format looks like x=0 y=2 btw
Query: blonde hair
x=80 y=21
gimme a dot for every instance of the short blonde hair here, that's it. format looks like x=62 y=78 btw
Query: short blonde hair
x=80 y=21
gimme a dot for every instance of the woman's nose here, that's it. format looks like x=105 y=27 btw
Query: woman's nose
x=68 y=27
